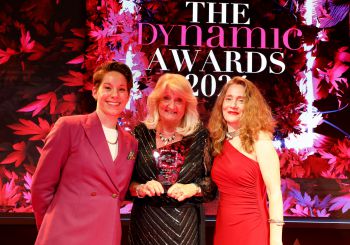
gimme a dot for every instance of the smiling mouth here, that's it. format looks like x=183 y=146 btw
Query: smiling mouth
x=114 y=103
x=233 y=113
x=171 y=112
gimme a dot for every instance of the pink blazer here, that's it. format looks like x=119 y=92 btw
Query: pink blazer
x=77 y=188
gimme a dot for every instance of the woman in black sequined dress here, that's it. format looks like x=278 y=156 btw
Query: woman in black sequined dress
x=172 y=171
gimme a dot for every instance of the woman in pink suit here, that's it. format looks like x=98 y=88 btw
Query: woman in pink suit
x=85 y=168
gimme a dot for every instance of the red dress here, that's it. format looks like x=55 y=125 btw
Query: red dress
x=242 y=217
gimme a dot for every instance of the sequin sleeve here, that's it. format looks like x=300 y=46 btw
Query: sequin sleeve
x=205 y=182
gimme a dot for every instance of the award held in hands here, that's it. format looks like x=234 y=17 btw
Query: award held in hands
x=169 y=164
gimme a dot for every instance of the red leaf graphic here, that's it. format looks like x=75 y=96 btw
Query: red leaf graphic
x=8 y=174
x=38 y=52
x=61 y=27
x=73 y=79
x=68 y=105
x=5 y=55
x=9 y=194
x=70 y=97
x=315 y=166
x=341 y=60
x=77 y=60
x=42 y=101
x=39 y=11
x=17 y=156
x=27 y=127
x=26 y=43
x=30 y=167
x=78 y=32
x=76 y=44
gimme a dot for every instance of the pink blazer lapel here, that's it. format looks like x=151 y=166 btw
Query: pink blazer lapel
x=123 y=147
x=96 y=137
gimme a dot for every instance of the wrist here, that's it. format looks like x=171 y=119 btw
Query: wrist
x=138 y=191
x=278 y=222
x=198 y=189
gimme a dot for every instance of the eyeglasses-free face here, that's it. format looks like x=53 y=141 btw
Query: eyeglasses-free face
x=171 y=107
x=233 y=105
x=112 y=95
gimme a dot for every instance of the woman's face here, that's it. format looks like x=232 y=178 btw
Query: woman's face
x=171 y=107
x=233 y=105
x=112 y=94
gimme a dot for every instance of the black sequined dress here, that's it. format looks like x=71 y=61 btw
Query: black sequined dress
x=164 y=220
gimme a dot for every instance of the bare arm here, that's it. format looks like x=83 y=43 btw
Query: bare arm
x=270 y=170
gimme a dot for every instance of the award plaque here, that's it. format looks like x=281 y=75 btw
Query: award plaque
x=169 y=164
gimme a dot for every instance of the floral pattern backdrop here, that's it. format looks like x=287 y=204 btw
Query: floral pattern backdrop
x=49 y=48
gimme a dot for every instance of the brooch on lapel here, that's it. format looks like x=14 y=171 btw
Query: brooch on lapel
x=131 y=155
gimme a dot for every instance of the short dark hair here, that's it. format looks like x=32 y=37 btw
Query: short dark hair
x=109 y=66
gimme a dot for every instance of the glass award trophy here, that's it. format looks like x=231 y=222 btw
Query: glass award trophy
x=169 y=164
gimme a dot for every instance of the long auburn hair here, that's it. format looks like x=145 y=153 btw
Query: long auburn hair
x=256 y=117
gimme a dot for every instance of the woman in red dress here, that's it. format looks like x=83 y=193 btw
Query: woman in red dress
x=246 y=167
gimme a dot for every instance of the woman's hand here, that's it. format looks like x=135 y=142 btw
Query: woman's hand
x=182 y=191
x=150 y=188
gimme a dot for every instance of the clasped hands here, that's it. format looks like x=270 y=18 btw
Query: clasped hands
x=177 y=191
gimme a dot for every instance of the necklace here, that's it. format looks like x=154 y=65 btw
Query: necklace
x=110 y=132
x=112 y=143
x=231 y=135
x=167 y=140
